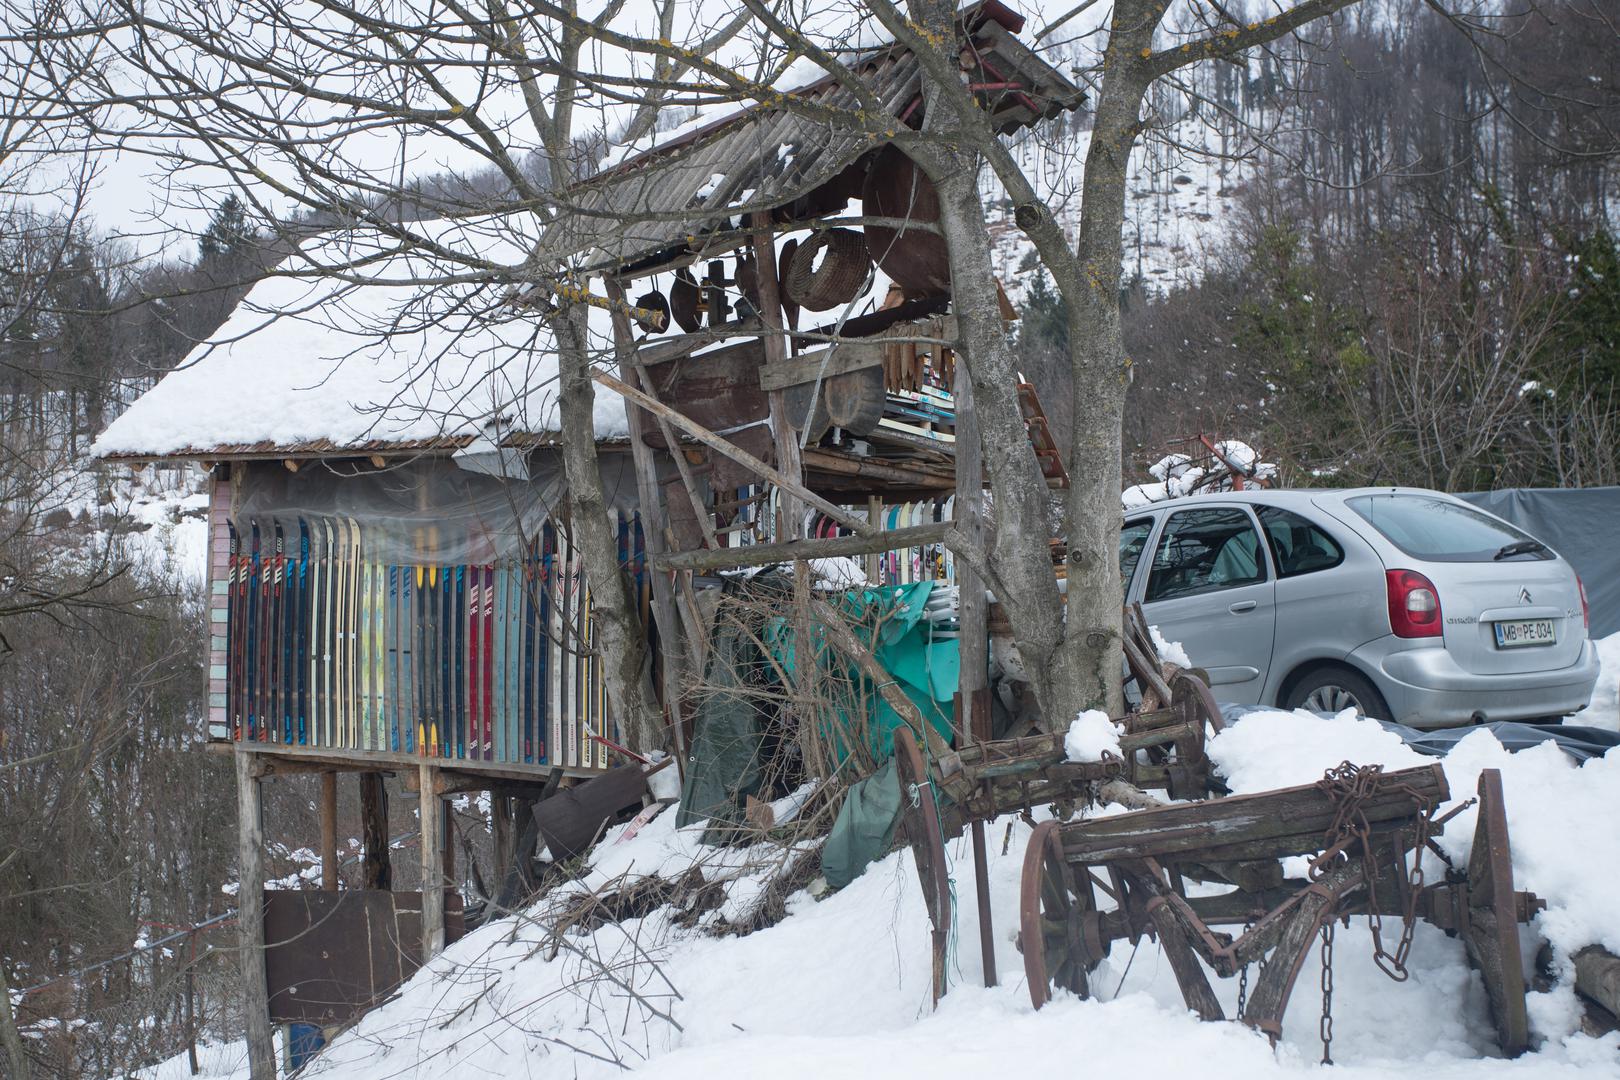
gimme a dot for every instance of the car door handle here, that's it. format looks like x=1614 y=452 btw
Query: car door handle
x=1243 y=605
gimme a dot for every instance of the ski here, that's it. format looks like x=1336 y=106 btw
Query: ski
x=458 y=627
x=533 y=568
x=545 y=633
x=443 y=639
x=475 y=663
x=301 y=651
x=557 y=707
x=351 y=652
x=329 y=607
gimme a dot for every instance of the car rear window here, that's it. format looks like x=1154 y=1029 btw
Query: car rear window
x=1440 y=530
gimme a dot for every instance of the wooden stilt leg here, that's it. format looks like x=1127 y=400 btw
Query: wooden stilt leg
x=432 y=813
x=250 y=918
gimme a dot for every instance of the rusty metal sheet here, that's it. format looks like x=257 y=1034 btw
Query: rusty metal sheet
x=330 y=956
x=719 y=389
x=571 y=820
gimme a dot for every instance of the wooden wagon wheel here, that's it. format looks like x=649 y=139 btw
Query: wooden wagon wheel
x=1059 y=929
x=1193 y=697
x=920 y=819
x=1492 y=934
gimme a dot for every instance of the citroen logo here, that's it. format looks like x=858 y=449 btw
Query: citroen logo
x=1524 y=596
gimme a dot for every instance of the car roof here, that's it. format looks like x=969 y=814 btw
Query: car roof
x=1284 y=497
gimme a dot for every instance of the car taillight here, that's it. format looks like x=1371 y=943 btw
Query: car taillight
x=1586 y=610
x=1414 y=604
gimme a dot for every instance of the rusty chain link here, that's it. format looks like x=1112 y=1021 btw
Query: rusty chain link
x=1350 y=787
x=1325 y=1027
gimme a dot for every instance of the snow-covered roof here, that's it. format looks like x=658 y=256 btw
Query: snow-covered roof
x=402 y=350
x=673 y=186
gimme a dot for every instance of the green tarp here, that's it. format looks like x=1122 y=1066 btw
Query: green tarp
x=726 y=759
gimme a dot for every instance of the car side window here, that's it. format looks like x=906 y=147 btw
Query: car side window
x=1298 y=546
x=1204 y=551
x=1132 y=539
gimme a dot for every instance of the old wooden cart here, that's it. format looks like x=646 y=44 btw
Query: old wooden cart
x=1364 y=831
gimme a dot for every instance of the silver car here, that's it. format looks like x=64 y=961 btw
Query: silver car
x=1410 y=605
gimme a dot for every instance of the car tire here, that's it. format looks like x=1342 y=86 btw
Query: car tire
x=1333 y=689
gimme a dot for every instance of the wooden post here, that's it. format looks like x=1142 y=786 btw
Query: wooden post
x=432 y=813
x=874 y=561
x=377 y=871
x=250 y=918
x=654 y=525
x=329 y=860
x=770 y=316
x=973 y=642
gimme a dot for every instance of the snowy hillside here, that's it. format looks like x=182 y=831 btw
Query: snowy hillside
x=840 y=987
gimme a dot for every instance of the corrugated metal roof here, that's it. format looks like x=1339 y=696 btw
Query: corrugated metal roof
x=667 y=197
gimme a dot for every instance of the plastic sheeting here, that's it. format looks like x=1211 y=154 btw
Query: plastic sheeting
x=427 y=512
x=1581 y=524
x=1580 y=743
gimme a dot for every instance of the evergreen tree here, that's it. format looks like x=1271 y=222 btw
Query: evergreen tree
x=229 y=233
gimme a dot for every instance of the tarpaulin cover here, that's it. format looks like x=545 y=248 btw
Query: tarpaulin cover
x=1582 y=525
x=728 y=744
x=864 y=828
x=1580 y=743
x=925 y=665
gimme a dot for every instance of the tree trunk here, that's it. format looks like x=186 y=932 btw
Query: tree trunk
x=377 y=869
x=620 y=638
x=1020 y=558
x=10 y=1037
x=1088 y=671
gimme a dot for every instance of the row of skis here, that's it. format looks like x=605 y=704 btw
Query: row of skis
x=330 y=646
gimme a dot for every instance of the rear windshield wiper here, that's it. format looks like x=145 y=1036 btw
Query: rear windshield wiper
x=1519 y=547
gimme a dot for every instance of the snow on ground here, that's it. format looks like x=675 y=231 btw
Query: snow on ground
x=840 y=987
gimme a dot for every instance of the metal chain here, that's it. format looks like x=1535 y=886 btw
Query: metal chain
x=1350 y=836
x=1325 y=1028
x=1243 y=978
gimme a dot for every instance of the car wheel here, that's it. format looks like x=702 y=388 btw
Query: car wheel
x=1332 y=690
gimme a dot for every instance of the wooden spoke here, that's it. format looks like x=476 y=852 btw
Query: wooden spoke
x=1058 y=932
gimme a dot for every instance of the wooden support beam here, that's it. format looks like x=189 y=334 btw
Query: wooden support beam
x=931 y=477
x=788 y=453
x=654 y=529
x=734 y=452
x=250 y=919
x=765 y=554
x=432 y=831
x=329 y=860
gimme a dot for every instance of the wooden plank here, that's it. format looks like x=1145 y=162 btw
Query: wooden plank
x=250 y=918
x=764 y=554
x=1269 y=824
x=822 y=364
x=787 y=441
x=742 y=457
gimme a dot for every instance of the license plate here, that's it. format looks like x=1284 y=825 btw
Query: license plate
x=1511 y=635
